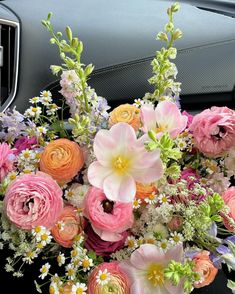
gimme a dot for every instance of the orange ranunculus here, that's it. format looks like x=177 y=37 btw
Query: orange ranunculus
x=62 y=159
x=68 y=227
x=66 y=289
x=144 y=190
x=125 y=113
x=205 y=268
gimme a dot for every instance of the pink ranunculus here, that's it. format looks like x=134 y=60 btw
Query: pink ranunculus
x=102 y=248
x=108 y=219
x=122 y=160
x=214 y=130
x=146 y=269
x=33 y=200
x=24 y=143
x=71 y=226
x=118 y=281
x=229 y=199
x=6 y=160
x=166 y=117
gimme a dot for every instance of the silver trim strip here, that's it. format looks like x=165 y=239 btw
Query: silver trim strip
x=11 y=97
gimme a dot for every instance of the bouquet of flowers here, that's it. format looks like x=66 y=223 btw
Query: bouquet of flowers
x=137 y=199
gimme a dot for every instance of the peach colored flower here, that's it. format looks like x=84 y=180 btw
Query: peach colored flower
x=205 y=268
x=122 y=160
x=166 y=117
x=108 y=219
x=33 y=200
x=214 y=130
x=6 y=160
x=62 y=159
x=68 y=226
x=126 y=113
x=229 y=199
x=144 y=190
x=118 y=280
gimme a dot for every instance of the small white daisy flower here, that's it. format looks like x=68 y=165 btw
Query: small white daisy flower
x=33 y=112
x=163 y=245
x=131 y=242
x=38 y=231
x=163 y=198
x=41 y=130
x=176 y=238
x=34 y=100
x=29 y=256
x=151 y=199
x=79 y=288
x=53 y=288
x=70 y=271
x=44 y=270
x=45 y=98
x=136 y=203
x=61 y=259
x=86 y=263
x=103 y=277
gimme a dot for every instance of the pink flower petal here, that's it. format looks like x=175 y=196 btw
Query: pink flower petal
x=119 y=188
x=123 y=133
x=107 y=236
x=148 y=118
x=97 y=174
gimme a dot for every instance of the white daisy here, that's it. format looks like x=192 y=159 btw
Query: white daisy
x=136 y=203
x=162 y=198
x=61 y=259
x=131 y=242
x=103 y=277
x=86 y=263
x=34 y=100
x=151 y=199
x=176 y=238
x=44 y=270
x=79 y=288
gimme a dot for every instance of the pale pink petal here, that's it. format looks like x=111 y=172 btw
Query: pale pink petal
x=107 y=236
x=175 y=253
x=174 y=289
x=148 y=118
x=146 y=254
x=119 y=188
x=149 y=175
x=104 y=144
x=123 y=133
x=97 y=173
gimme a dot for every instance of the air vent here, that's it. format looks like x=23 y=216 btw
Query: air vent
x=9 y=59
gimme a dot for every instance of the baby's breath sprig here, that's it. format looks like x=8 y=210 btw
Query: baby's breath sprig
x=164 y=70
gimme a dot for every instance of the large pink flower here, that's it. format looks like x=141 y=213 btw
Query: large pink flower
x=6 y=160
x=108 y=219
x=166 y=117
x=229 y=199
x=118 y=281
x=146 y=270
x=214 y=130
x=122 y=160
x=33 y=200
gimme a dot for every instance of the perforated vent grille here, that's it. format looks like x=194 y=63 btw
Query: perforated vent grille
x=9 y=53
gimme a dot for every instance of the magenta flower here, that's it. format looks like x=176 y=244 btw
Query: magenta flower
x=108 y=219
x=122 y=160
x=6 y=160
x=102 y=248
x=146 y=270
x=214 y=130
x=33 y=200
x=24 y=143
x=166 y=117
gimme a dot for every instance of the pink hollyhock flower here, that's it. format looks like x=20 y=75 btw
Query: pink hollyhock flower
x=229 y=199
x=117 y=280
x=166 y=117
x=146 y=270
x=33 y=200
x=214 y=130
x=6 y=160
x=122 y=160
x=102 y=248
x=24 y=143
x=72 y=226
x=190 y=176
x=108 y=219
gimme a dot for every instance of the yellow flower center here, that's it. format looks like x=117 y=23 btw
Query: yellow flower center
x=85 y=263
x=12 y=177
x=74 y=253
x=37 y=229
x=164 y=199
x=161 y=128
x=52 y=290
x=155 y=274
x=163 y=246
x=44 y=270
x=34 y=109
x=176 y=238
x=29 y=254
x=44 y=237
x=131 y=243
x=79 y=291
x=151 y=196
x=121 y=164
x=70 y=272
x=103 y=277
